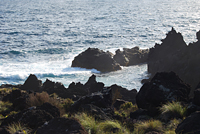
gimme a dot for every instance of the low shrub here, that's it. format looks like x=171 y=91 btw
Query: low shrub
x=126 y=109
x=37 y=99
x=147 y=126
x=67 y=104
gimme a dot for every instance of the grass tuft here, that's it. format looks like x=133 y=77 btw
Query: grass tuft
x=12 y=128
x=147 y=126
x=173 y=109
x=5 y=106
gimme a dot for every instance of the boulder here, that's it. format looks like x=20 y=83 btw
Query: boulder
x=54 y=111
x=62 y=126
x=164 y=87
x=189 y=125
x=32 y=83
x=98 y=99
x=118 y=92
x=95 y=111
x=97 y=59
x=140 y=114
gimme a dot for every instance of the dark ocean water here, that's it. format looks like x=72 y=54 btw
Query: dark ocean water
x=43 y=36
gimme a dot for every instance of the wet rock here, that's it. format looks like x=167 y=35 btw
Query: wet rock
x=97 y=59
x=136 y=55
x=120 y=58
x=132 y=56
x=32 y=83
x=164 y=87
x=189 y=125
x=62 y=126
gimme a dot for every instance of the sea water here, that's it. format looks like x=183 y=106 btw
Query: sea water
x=42 y=37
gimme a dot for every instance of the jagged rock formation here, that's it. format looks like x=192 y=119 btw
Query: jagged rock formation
x=132 y=56
x=174 y=55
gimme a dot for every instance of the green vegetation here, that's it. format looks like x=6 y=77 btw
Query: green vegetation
x=147 y=126
x=5 y=106
x=126 y=109
x=173 y=109
x=100 y=127
x=88 y=122
x=12 y=128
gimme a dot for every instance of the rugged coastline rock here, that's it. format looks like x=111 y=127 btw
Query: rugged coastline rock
x=132 y=56
x=32 y=83
x=174 y=55
x=97 y=59
x=164 y=87
x=62 y=126
x=190 y=125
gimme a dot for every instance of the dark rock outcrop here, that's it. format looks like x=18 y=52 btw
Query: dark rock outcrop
x=164 y=87
x=118 y=103
x=62 y=126
x=191 y=125
x=54 y=111
x=140 y=114
x=120 y=58
x=174 y=55
x=95 y=111
x=88 y=88
x=18 y=98
x=32 y=83
x=98 y=99
x=124 y=94
x=97 y=59
x=132 y=56
x=33 y=117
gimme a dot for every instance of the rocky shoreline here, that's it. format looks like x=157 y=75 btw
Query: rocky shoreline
x=169 y=102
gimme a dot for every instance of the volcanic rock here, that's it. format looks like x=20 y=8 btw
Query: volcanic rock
x=132 y=56
x=164 y=87
x=32 y=83
x=97 y=59
x=62 y=126
x=189 y=125
x=174 y=55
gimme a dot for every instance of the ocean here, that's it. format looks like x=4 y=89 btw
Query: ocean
x=42 y=37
